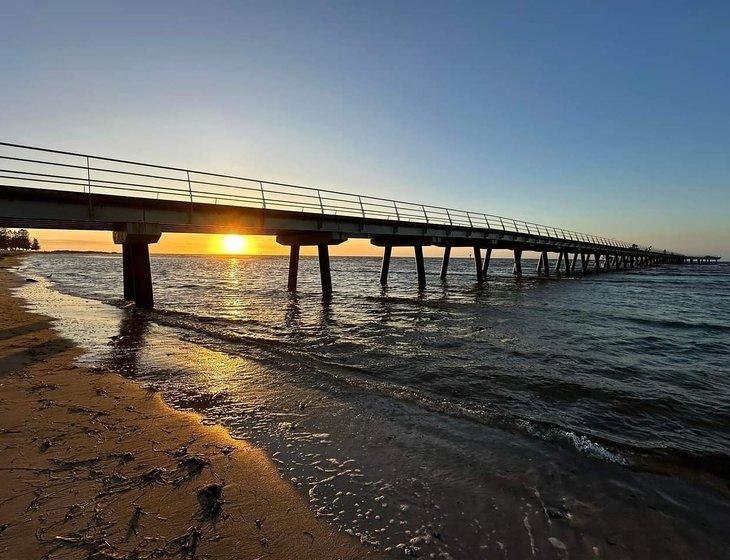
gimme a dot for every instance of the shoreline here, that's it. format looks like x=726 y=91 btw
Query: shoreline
x=96 y=466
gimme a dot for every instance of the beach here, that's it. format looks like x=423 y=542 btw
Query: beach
x=95 y=466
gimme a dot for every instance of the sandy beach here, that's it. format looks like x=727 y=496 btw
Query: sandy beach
x=94 y=466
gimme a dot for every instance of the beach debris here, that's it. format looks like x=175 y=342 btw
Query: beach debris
x=210 y=498
x=186 y=545
x=193 y=465
x=3 y=527
x=259 y=523
x=557 y=512
x=31 y=280
x=45 y=446
x=124 y=457
x=134 y=522
x=180 y=451
x=155 y=475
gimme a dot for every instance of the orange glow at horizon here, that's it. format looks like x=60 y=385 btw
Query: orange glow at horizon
x=213 y=244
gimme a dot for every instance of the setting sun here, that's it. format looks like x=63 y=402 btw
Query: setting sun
x=233 y=244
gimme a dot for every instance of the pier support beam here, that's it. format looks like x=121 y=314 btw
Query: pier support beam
x=478 y=264
x=572 y=265
x=143 y=297
x=566 y=261
x=324 y=268
x=420 y=266
x=293 y=268
x=445 y=262
x=135 y=237
x=517 y=269
x=487 y=257
x=295 y=240
x=583 y=263
x=128 y=272
x=560 y=261
x=387 y=250
x=543 y=265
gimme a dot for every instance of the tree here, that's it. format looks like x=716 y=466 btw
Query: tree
x=35 y=246
x=21 y=239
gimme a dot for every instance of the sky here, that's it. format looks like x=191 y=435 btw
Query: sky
x=609 y=118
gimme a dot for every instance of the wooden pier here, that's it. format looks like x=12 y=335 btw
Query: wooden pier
x=138 y=202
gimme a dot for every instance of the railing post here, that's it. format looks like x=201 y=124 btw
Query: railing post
x=190 y=191
x=425 y=215
x=263 y=197
x=88 y=181
x=449 y=217
x=362 y=208
x=468 y=217
x=321 y=206
x=397 y=216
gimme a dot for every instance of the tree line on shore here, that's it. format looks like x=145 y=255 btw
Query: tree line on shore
x=19 y=239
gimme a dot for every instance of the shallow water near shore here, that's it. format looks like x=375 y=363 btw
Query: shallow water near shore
x=512 y=420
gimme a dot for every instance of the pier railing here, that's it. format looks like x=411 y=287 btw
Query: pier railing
x=29 y=166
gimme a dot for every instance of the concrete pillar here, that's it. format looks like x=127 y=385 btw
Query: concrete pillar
x=387 y=250
x=583 y=263
x=324 y=268
x=597 y=258
x=517 y=269
x=127 y=271
x=487 y=257
x=545 y=264
x=445 y=262
x=420 y=266
x=566 y=261
x=572 y=265
x=142 y=275
x=560 y=261
x=478 y=264
x=135 y=237
x=293 y=268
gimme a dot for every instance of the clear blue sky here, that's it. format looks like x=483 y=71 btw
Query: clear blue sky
x=612 y=119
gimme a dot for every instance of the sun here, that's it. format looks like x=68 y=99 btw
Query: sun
x=233 y=244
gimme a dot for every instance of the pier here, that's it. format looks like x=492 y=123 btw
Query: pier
x=139 y=202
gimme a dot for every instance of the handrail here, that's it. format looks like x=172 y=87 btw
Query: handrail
x=112 y=176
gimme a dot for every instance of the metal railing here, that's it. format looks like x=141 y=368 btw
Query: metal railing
x=96 y=175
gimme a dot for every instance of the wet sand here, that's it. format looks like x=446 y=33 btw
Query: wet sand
x=94 y=466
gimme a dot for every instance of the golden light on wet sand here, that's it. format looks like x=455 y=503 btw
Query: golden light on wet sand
x=233 y=244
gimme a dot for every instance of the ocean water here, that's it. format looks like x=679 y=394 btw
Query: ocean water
x=542 y=418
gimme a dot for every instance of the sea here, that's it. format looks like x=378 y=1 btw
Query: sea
x=581 y=417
